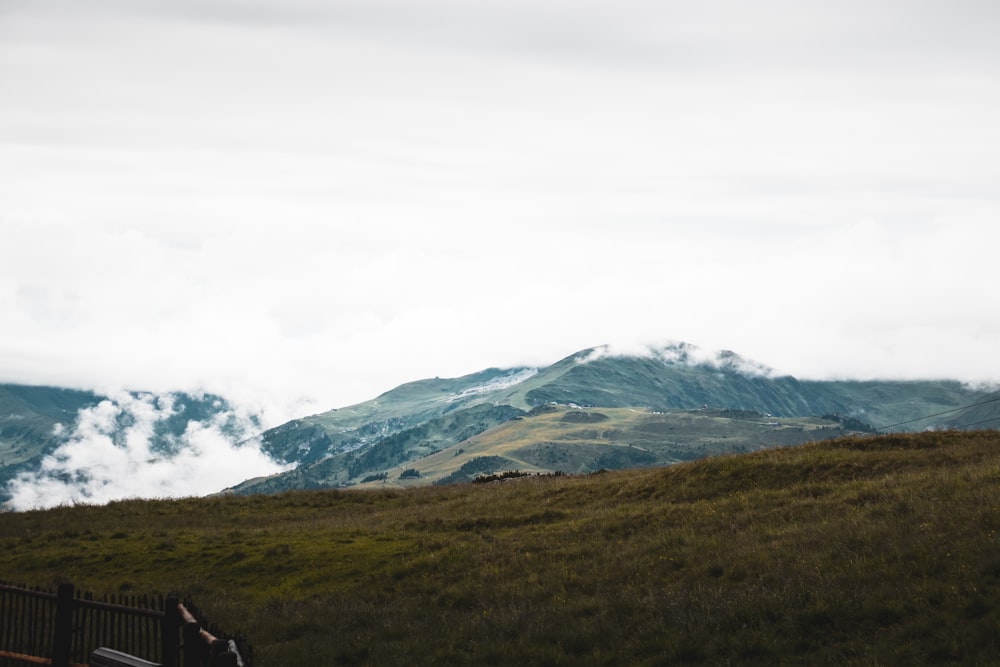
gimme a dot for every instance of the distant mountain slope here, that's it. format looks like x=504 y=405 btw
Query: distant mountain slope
x=985 y=413
x=363 y=442
x=33 y=421
x=355 y=427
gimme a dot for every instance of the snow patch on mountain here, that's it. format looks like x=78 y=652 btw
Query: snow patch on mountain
x=512 y=378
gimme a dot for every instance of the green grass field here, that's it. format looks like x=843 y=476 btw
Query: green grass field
x=860 y=551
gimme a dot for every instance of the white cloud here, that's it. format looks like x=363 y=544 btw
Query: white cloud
x=111 y=455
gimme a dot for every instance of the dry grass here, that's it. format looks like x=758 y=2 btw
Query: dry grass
x=873 y=551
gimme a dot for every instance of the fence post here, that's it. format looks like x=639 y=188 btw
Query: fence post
x=192 y=645
x=170 y=632
x=63 y=635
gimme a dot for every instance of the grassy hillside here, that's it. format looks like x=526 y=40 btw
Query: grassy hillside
x=860 y=551
x=587 y=440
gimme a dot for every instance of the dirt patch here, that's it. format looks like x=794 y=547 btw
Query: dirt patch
x=580 y=417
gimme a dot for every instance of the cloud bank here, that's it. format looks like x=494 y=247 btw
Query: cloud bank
x=683 y=354
x=112 y=454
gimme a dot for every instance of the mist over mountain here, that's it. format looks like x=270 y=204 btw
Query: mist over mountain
x=600 y=408
x=61 y=446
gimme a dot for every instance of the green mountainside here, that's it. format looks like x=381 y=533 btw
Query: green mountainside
x=984 y=413
x=34 y=421
x=673 y=404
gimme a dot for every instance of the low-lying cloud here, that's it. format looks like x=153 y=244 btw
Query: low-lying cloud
x=115 y=451
x=681 y=353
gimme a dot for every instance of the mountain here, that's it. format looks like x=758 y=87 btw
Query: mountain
x=592 y=410
x=595 y=409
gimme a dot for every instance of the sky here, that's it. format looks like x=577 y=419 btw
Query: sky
x=300 y=204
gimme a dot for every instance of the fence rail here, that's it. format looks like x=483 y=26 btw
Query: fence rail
x=27 y=624
x=62 y=629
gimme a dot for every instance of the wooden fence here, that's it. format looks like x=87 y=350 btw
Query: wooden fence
x=63 y=629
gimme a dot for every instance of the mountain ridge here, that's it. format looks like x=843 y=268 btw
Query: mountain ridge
x=654 y=407
x=340 y=447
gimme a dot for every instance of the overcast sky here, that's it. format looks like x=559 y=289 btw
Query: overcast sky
x=319 y=200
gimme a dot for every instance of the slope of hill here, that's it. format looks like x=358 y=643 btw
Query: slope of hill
x=358 y=426
x=546 y=440
x=351 y=445
x=875 y=550
x=33 y=421
x=984 y=413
